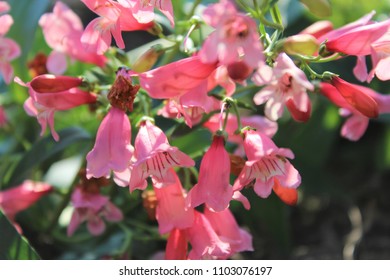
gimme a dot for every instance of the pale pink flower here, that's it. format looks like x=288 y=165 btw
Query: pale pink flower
x=266 y=163
x=112 y=150
x=286 y=84
x=205 y=242
x=143 y=12
x=113 y=19
x=154 y=157
x=358 y=103
x=380 y=56
x=4 y=7
x=171 y=211
x=92 y=208
x=226 y=227
x=235 y=37
x=21 y=197
x=62 y=30
x=49 y=93
x=213 y=187
x=9 y=50
x=177 y=78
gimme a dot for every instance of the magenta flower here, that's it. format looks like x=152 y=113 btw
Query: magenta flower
x=171 y=211
x=177 y=78
x=112 y=150
x=285 y=85
x=63 y=30
x=235 y=37
x=266 y=164
x=154 y=157
x=9 y=49
x=49 y=94
x=213 y=186
x=177 y=245
x=113 y=18
x=3 y=117
x=143 y=10
x=226 y=227
x=92 y=208
x=19 y=198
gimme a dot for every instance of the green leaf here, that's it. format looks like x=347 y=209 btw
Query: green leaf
x=193 y=143
x=14 y=246
x=44 y=149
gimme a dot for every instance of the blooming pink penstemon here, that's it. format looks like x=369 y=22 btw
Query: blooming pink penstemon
x=114 y=17
x=62 y=30
x=112 y=150
x=92 y=208
x=49 y=93
x=143 y=9
x=154 y=157
x=286 y=84
x=235 y=37
x=266 y=164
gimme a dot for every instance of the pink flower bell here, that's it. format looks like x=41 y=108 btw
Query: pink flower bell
x=49 y=93
x=177 y=245
x=213 y=186
x=112 y=150
x=154 y=157
x=143 y=10
x=286 y=84
x=266 y=163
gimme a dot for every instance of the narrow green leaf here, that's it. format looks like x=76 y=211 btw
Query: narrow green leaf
x=14 y=246
x=44 y=149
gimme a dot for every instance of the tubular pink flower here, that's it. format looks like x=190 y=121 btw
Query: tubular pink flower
x=287 y=85
x=177 y=78
x=177 y=245
x=62 y=30
x=3 y=117
x=171 y=212
x=213 y=186
x=9 y=50
x=49 y=93
x=112 y=150
x=21 y=197
x=266 y=163
x=154 y=157
x=235 y=38
x=228 y=230
x=92 y=208
x=143 y=10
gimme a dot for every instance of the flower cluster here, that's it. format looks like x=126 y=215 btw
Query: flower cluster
x=238 y=69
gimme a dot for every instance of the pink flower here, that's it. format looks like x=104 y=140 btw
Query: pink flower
x=177 y=245
x=9 y=49
x=92 y=208
x=50 y=93
x=177 y=78
x=228 y=230
x=380 y=56
x=266 y=164
x=113 y=18
x=213 y=186
x=358 y=103
x=3 y=117
x=63 y=30
x=143 y=10
x=19 y=198
x=235 y=38
x=112 y=150
x=171 y=211
x=285 y=85
x=4 y=7
x=154 y=157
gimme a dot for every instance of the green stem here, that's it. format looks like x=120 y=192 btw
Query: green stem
x=192 y=11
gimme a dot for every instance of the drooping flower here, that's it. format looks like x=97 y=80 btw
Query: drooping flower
x=177 y=245
x=49 y=93
x=92 y=208
x=154 y=157
x=112 y=150
x=21 y=197
x=62 y=30
x=266 y=164
x=235 y=37
x=286 y=84
x=171 y=211
x=213 y=187
x=114 y=17
x=226 y=227
x=176 y=78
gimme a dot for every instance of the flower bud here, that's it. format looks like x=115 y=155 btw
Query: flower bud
x=146 y=61
x=304 y=44
x=319 y=8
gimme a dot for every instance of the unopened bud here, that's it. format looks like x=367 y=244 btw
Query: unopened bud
x=156 y=29
x=304 y=44
x=239 y=71
x=146 y=61
x=319 y=8
x=318 y=29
